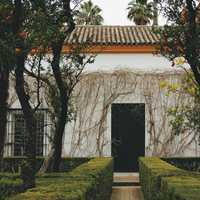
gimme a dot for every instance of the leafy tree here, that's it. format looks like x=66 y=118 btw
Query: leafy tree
x=185 y=117
x=15 y=46
x=39 y=27
x=155 y=12
x=88 y=14
x=24 y=40
x=72 y=66
x=64 y=70
x=30 y=20
x=181 y=36
x=180 y=43
x=58 y=25
x=140 y=12
x=7 y=52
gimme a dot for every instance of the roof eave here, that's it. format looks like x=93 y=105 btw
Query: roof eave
x=111 y=49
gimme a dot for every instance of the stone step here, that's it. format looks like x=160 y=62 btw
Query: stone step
x=120 y=179
x=127 y=193
x=126 y=184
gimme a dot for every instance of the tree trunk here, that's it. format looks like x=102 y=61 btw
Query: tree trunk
x=28 y=167
x=54 y=159
x=155 y=12
x=191 y=48
x=60 y=130
x=4 y=87
x=52 y=164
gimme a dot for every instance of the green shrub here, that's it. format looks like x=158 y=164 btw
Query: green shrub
x=10 y=184
x=185 y=187
x=163 y=181
x=9 y=175
x=13 y=164
x=151 y=171
x=99 y=172
x=187 y=163
x=89 y=181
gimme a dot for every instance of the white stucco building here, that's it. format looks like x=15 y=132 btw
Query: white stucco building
x=121 y=108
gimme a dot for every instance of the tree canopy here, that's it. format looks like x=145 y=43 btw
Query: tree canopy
x=180 y=37
x=89 y=14
x=140 y=12
x=7 y=45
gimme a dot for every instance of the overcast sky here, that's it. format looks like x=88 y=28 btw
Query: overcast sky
x=115 y=12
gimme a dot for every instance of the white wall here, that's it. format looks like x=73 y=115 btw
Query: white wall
x=149 y=62
x=97 y=92
x=110 y=62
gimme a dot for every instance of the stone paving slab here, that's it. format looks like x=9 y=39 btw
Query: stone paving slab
x=126 y=187
x=127 y=193
x=126 y=177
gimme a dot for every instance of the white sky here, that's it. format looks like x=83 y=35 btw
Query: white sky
x=115 y=13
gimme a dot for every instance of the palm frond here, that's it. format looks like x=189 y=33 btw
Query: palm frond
x=89 y=14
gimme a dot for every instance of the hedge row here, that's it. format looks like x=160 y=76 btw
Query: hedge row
x=89 y=181
x=163 y=181
x=187 y=163
x=12 y=164
x=10 y=184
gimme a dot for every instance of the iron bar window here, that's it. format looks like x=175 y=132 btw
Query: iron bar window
x=16 y=133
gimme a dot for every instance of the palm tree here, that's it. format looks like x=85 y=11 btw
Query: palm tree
x=88 y=14
x=155 y=12
x=140 y=11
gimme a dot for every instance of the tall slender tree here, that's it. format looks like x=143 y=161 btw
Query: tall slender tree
x=44 y=24
x=7 y=61
x=155 y=12
x=180 y=43
x=21 y=15
x=13 y=21
x=89 y=14
x=71 y=70
x=140 y=12
x=57 y=25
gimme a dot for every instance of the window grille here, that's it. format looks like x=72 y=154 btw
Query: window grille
x=16 y=133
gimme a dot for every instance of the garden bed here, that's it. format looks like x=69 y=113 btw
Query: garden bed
x=12 y=164
x=187 y=163
x=91 y=180
x=10 y=181
x=10 y=184
x=163 y=181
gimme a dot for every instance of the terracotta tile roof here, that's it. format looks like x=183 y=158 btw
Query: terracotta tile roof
x=114 y=35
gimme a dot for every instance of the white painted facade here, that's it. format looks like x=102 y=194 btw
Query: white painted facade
x=138 y=61
x=130 y=78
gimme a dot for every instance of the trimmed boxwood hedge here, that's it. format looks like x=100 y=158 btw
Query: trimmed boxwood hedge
x=163 y=181
x=183 y=187
x=89 y=181
x=12 y=164
x=10 y=184
x=187 y=163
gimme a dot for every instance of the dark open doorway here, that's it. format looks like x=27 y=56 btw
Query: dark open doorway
x=128 y=136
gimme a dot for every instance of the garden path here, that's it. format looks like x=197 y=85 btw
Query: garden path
x=126 y=187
